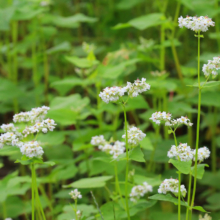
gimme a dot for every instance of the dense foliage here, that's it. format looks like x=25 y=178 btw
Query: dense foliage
x=95 y=158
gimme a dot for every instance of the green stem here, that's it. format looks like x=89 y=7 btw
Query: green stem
x=127 y=164
x=76 y=209
x=198 y=125
x=32 y=190
x=179 y=198
x=174 y=135
x=117 y=185
x=189 y=194
x=37 y=195
x=214 y=159
x=162 y=50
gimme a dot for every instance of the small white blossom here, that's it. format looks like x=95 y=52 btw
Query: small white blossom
x=98 y=140
x=79 y=214
x=112 y=94
x=8 y=219
x=206 y=217
x=36 y=114
x=181 y=152
x=171 y=185
x=135 y=135
x=203 y=153
x=117 y=149
x=75 y=194
x=139 y=86
x=32 y=149
x=44 y=126
x=139 y=191
x=8 y=127
x=212 y=67
x=159 y=117
x=9 y=138
x=196 y=24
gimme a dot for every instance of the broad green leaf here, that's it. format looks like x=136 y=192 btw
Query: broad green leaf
x=143 y=22
x=168 y=198
x=136 y=154
x=199 y=208
x=52 y=138
x=113 y=72
x=138 y=102
x=82 y=62
x=5 y=17
x=146 y=144
x=153 y=181
x=206 y=84
x=183 y=166
x=8 y=150
x=125 y=5
x=93 y=182
x=200 y=170
x=65 y=46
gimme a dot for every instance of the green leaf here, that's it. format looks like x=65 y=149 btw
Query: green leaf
x=206 y=84
x=183 y=166
x=64 y=46
x=82 y=62
x=5 y=17
x=138 y=102
x=93 y=182
x=153 y=181
x=199 y=208
x=168 y=198
x=26 y=160
x=143 y=22
x=113 y=72
x=136 y=154
x=200 y=170
x=146 y=144
x=125 y=5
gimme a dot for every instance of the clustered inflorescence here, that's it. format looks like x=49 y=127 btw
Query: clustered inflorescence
x=159 y=117
x=75 y=194
x=114 y=148
x=139 y=191
x=185 y=153
x=35 y=118
x=135 y=135
x=171 y=185
x=195 y=23
x=212 y=67
x=113 y=94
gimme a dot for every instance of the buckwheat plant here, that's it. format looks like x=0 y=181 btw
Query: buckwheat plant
x=26 y=140
x=132 y=135
x=75 y=195
x=182 y=156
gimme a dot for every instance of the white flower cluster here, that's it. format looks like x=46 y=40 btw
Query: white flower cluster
x=139 y=191
x=10 y=138
x=139 y=86
x=181 y=152
x=44 y=126
x=114 y=148
x=212 y=67
x=32 y=149
x=203 y=153
x=98 y=140
x=159 y=117
x=206 y=217
x=171 y=185
x=113 y=94
x=15 y=138
x=75 y=194
x=135 y=135
x=8 y=219
x=196 y=24
x=79 y=214
x=36 y=114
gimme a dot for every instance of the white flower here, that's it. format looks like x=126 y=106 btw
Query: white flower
x=212 y=67
x=44 y=126
x=139 y=191
x=196 y=24
x=112 y=94
x=8 y=219
x=181 y=152
x=139 y=86
x=32 y=149
x=79 y=214
x=117 y=149
x=36 y=114
x=75 y=194
x=206 y=217
x=159 y=117
x=98 y=140
x=10 y=138
x=171 y=185
x=8 y=127
x=203 y=153
x=135 y=135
